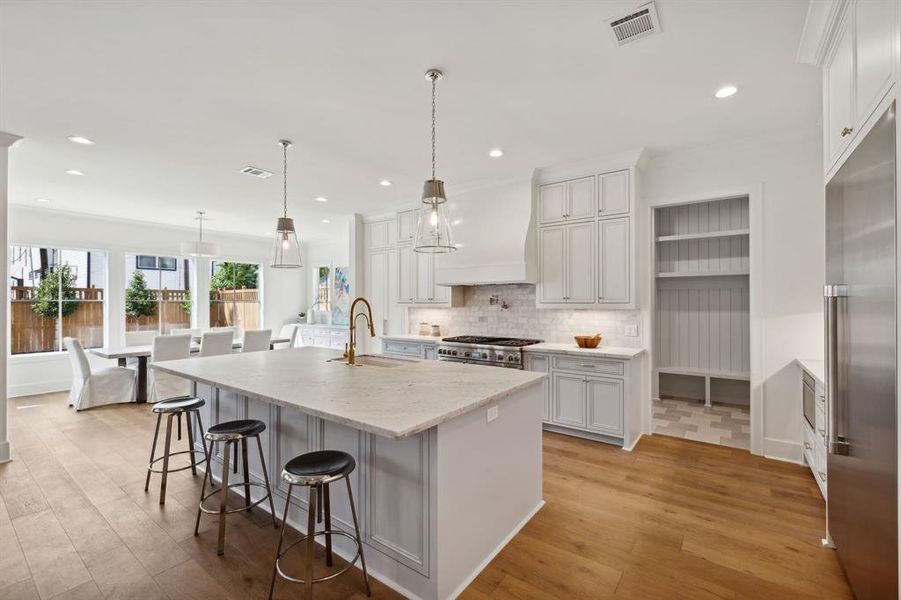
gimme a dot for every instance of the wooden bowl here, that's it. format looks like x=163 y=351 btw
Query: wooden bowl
x=588 y=341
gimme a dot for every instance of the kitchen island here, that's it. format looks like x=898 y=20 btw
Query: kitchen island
x=440 y=488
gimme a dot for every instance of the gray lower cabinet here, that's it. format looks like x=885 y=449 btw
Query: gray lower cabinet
x=568 y=400
x=542 y=364
x=605 y=405
x=409 y=349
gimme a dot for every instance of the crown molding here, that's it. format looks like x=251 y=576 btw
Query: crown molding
x=8 y=140
x=820 y=29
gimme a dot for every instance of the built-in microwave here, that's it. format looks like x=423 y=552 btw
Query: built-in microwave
x=810 y=404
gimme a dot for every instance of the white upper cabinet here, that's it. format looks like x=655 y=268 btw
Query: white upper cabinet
x=614 y=260
x=425 y=264
x=416 y=280
x=613 y=194
x=580 y=264
x=379 y=234
x=566 y=201
x=552 y=263
x=406 y=226
x=873 y=33
x=858 y=70
x=839 y=76
x=405 y=275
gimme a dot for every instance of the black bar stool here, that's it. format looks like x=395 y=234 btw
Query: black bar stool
x=317 y=470
x=174 y=407
x=232 y=432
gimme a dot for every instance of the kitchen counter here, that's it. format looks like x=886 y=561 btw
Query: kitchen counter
x=599 y=352
x=391 y=401
x=428 y=438
x=816 y=368
x=409 y=337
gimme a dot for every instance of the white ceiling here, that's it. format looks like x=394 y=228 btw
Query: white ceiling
x=180 y=95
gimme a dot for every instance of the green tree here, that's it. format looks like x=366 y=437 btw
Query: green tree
x=229 y=276
x=139 y=300
x=58 y=283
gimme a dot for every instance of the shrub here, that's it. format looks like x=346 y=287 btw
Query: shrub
x=59 y=282
x=139 y=300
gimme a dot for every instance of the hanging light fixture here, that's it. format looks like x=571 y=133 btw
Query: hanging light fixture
x=199 y=247
x=285 y=247
x=433 y=230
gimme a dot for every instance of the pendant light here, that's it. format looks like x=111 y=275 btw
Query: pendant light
x=285 y=247
x=433 y=230
x=199 y=247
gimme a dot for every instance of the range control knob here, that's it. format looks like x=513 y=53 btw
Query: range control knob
x=454 y=353
x=466 y=354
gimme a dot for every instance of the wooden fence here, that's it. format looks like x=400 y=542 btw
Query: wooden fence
x=31 y=332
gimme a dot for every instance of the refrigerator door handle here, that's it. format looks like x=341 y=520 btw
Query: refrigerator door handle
x=836 y=442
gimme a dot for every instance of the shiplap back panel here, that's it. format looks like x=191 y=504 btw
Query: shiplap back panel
x=703 y=323
x=716 y=255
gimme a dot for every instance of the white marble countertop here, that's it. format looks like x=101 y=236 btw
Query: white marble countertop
x=409 y=337
x=600 y=352
x=816 y=368
x=395 y=402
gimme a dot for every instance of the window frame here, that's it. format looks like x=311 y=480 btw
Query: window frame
x=192 y=277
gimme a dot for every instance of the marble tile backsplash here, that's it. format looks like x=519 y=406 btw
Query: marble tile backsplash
x=522 y=319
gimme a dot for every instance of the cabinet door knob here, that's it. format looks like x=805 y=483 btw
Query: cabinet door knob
x=822 y=433
x=807 y=445
x=847 y=131
x=822 y=475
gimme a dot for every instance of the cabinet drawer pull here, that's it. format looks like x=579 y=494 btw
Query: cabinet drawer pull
x=807 y=445
x=822 y=476
x=821 y=399
x=822 y=433
x=587 y=366
x=847 y=131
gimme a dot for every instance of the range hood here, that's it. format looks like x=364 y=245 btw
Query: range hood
x=495 y=235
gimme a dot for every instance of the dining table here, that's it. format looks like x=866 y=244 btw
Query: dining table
x=142 y=353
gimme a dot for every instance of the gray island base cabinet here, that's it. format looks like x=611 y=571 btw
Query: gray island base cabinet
x=436 y=505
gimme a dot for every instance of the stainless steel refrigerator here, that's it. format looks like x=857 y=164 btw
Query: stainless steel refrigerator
x=861 y=351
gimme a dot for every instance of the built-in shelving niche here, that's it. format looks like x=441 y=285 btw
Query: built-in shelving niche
x=702 y=324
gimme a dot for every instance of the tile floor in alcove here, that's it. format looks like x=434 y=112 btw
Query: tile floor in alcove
x=724 y=424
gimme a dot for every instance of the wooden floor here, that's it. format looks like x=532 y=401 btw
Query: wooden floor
x=673 y=519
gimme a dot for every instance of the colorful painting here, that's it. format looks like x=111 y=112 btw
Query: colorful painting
x=341 y=304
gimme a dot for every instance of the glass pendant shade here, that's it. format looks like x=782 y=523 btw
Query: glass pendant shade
x=285 y=246
x=433 y=230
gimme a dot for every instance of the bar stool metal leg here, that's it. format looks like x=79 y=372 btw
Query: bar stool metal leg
x=281 y=538
x=206 y=452
x=328 y=524
x=156 y=435
x=206 y=475
x=269 y=489
x=166 y=459
x=353 y=512
x=246 y=469
x=311 y=542
x=220 y=548
x=191 y=441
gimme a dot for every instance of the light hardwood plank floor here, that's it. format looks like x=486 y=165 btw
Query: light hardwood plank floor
x=673 y=519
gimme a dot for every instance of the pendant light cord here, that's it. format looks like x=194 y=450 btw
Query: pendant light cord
x=200 y=217
x=434 y=127
x=285 y=178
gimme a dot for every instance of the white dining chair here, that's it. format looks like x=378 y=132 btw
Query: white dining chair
x=194 y=333
x=163 y=385
x=288 y=331
x=256 y=340
x=140 y=338
x=233 y=330
x=112 y=385
x=216 y=342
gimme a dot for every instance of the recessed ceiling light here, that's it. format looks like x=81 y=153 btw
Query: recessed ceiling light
x=496 y=153
x=726 y=91
x=321 y=199
x=42 y=200
x=384 y=183
x=80 y=140
x=74 y=172
x=456 y=222
x=459 y=245
x=326 y=221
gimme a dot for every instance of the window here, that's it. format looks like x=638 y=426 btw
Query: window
x=322 y=290
x=54 y=294
x=235 y=295
x=154 y=263
x=158 y=293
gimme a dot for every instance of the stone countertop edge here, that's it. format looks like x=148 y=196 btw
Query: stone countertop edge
x=600 y=352
x=814 y=366
x=367 y=427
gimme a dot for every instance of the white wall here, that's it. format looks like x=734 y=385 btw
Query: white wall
x=283 y=289
x=788 y=167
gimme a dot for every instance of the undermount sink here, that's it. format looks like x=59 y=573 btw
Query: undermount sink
x=372 y=360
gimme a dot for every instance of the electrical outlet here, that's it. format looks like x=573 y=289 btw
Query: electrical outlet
x=492 y=413
x=631 y=330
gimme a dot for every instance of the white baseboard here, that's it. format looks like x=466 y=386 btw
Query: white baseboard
x=475 y=573
x=38 y=387
x=783 y=450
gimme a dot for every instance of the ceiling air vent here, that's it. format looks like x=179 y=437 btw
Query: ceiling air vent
x=257 y=172
x=637 y=25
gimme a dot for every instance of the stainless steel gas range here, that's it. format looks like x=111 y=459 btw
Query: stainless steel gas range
x=482 y=350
